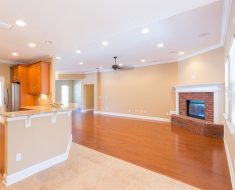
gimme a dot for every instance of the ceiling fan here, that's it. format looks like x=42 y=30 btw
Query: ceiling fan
x=117 y=67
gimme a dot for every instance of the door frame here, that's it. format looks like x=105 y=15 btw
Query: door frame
x=84 y=109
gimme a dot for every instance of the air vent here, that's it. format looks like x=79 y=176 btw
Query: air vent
x=5 y=26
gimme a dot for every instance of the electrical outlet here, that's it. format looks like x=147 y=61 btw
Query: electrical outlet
x=18 y=157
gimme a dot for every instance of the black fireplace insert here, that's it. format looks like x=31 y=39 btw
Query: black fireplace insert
x=196 y=108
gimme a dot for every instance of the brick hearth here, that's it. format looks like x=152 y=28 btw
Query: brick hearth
x=198 y=126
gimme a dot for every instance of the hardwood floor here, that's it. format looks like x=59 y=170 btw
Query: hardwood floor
x=174 y=152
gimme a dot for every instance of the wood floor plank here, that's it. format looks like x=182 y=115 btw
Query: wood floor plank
x=177 y=153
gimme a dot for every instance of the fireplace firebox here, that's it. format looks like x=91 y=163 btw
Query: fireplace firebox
x=196 y=109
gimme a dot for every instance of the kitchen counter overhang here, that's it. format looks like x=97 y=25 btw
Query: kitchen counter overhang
x=36 y=110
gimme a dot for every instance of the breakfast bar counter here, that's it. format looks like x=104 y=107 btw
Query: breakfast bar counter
x=34 y=139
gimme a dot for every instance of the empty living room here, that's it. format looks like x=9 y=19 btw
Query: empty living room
x=117 y=95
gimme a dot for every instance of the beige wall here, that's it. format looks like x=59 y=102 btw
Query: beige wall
x=205 y=68
x=47 y=140
x=229 y=137
x=141 y=91
x=70 y=76
x=89 y=96
x=149 y=90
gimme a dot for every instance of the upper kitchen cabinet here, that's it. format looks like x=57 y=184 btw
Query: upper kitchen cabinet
x=15 y=73
x=39 y=78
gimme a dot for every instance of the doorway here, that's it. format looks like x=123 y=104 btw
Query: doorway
x=88 y=97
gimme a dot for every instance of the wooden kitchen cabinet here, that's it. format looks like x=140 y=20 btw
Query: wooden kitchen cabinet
x=39 y=78
x=15 y=73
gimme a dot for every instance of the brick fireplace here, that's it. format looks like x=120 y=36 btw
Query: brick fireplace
x=207 y=97
x=210 y=97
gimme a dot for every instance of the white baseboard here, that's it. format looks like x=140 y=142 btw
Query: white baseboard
x=86 y=110
x=13 y=178
x=229 y=159
x=133 y=116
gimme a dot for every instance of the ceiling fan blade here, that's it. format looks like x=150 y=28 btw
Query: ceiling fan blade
x=126 y=67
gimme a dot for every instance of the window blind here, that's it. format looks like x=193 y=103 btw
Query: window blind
x=227 y=87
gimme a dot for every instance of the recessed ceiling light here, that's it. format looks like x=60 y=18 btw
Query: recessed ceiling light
x=57 y=58
x=105 y=43
x=20 y=23
x=81 y=63
x=15 y=54
x=100 y=67
x=142 y=61
x=48 y=42
x=32 y=45
x=181 y=53
x=160 y=45
x=120 y=64
x=145 y=31
x=78 y=51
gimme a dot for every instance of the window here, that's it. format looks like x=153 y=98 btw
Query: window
x=227 y=88
x=65 y=94
x=232 y=82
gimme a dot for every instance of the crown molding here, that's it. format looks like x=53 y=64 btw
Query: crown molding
x=156 y=63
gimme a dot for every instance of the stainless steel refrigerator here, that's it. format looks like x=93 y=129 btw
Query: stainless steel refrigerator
x=15 y=89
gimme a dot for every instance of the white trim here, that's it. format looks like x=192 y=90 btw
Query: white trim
x=230 y=166
x=13 y=178
x=207 y=87
x=230 y=126
x=86 y=110
x=226 y=14
x=133 y=116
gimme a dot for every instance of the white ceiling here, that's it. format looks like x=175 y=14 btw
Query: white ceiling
x=84 y=24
